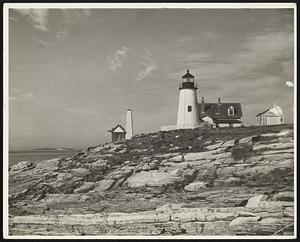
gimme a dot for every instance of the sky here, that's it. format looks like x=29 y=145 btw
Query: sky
x=74 y=72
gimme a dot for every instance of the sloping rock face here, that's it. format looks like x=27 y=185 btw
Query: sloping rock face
x=200 y=182
x=152 y=178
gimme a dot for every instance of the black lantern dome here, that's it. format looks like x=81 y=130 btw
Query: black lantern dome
x=187 y=81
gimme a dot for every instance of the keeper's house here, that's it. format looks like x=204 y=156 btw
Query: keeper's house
x=221 y=114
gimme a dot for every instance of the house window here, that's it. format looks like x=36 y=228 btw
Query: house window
x=189 y=108
x=231 y=111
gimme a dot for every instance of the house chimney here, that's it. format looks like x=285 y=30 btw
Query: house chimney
x=129 y=124
x=202 y=106
x=219 y=106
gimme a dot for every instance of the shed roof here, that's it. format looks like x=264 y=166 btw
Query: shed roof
x=275 y=110
x=118 y=129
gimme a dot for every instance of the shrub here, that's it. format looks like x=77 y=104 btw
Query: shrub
x=242 y=152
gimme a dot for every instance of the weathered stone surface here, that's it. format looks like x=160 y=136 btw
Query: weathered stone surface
x=98 y=166
x=22 y=166
x=226 y=171
x=286 y=153
x=289 y=212
x=61 y=177
x=169 y=207
x=183 y=216
x=151 y=178
x=197 y=156
x=233 y=181
x=189 y=174
x=285 y=132
x=228 y=143
x=66 y=182
x=255 y=201
x=87 y=186
x=166 y=217
x=103 y=185
x=276 y=146
x=81 y=172
x=214 y=146
x=168 y=155
x=275 y=204
x=47 y=165
x=230 y=160
x=142 y=182
x=246 y=140
x=195 y=186
x=150 y=166
x=284 y=196
x=120 y=173
x=243 y=220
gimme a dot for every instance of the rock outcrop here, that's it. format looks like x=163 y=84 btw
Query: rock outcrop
x=199 y=182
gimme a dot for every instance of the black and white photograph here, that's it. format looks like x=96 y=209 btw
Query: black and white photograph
x=149 y=120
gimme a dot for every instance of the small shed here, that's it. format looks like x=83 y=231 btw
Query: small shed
x=117 y=133
x=271 y=116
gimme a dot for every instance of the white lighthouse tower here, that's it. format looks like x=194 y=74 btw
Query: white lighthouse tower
x=129 y=124
x=188 y=112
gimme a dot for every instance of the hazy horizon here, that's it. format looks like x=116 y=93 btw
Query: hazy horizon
x=74 y=72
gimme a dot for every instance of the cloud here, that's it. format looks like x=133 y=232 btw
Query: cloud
x=46 y=44
x=13 y=18
x=149 y=66
x=80 y=110
x=21 y=96
x=37 y=17
x=250 y=59
x=29 y=95
x=289 y=84
x=115 y=61
x=116 y=89
x=195 y=57
x=70 y=17
x=263 y=49
x=15 y=90
x=13 y=98
x=204 y=36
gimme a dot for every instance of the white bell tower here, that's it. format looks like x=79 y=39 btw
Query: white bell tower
x=188 y=111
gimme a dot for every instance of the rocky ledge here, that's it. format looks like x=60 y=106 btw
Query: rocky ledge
x=185 y=182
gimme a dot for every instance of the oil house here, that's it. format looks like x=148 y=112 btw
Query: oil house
x=271 y=116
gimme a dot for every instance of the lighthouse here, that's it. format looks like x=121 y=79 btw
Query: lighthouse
x=188 y=112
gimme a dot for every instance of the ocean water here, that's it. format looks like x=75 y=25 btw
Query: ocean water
x=35 y=156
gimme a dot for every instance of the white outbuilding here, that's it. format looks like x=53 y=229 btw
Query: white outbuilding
x=271 y=116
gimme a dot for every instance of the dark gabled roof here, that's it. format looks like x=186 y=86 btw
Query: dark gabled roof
x=187 y=75
x=211 y=110
x=113 y=129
